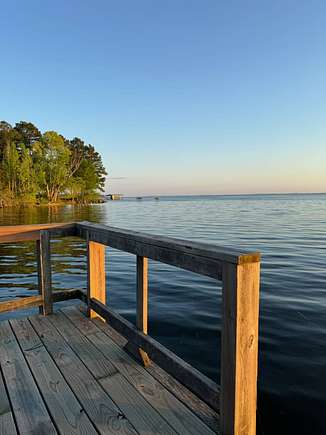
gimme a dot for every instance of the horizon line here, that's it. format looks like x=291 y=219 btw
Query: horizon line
x=218 y=194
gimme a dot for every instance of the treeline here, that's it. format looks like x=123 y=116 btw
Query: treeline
x=36 y=167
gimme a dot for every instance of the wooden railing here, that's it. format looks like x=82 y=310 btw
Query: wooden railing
x=239 y=272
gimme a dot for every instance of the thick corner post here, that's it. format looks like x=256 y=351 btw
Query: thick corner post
x=44 y=272
x=142 y=301
x=96 y=283
x=239 y=353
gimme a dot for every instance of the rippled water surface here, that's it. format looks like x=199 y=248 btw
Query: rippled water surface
x=185 y=309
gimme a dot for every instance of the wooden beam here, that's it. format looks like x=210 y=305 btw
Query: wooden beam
x=23 y=233
x=197 y=406
x=96 y=283
x=239 y=353
x=202 y=265
x=18 y=303
x=65 y=295
x=37 y=300
x=113 y=236
x=44 y=271
x=199 y=384
x=142 y=302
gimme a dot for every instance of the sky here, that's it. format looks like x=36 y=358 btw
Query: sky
x=178 y=96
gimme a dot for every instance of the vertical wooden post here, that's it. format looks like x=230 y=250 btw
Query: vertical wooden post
x=96 y=287
x=44 y=272
x=239 y=353
x=142 y=301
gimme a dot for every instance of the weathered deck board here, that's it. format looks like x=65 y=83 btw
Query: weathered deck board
x=64 y=408
x=28 y=407
x=7 y=424
x=100 y=408
x=95 y=361
x=65 y=374
x=138 y=411
x=197 y=406
x=174 y=411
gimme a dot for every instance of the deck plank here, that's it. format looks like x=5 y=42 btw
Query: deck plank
x=95 y=361
x=174 y=411
x=28 y=407
x=65 y=410
x=7 y=424
x=138 y=411
x=79 y=372
x=209 y=416
x=144 y=417
x=103 y=412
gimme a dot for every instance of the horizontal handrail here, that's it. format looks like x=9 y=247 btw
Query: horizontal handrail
x=128 y=240
x=118 y=236
x=37 y=300
x=24 y=233
x=202 y=258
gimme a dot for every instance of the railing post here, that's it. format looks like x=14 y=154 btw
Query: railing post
x=142 y=301
x=44 y=272
x=96 y=286
x=239 y=353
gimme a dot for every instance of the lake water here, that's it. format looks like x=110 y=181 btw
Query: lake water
x=185 y=309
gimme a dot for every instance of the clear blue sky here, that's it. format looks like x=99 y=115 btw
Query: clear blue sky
x=179 y=96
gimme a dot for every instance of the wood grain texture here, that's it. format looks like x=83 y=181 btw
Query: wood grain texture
x=103 y=412
x=44 y=272
x=97 y=364
x=239 y=353
x=96 y=284
x=64 y=408
x=137 y=242
x=199 y=384
x=197 y=406
x=17 y=303
x=142 y=302
x=128 y=400
x=142 y=415
x=7 y=424
x=142 y=294
x=23 y=233
x=37 y=300
x=30 y=413
x=171 y=409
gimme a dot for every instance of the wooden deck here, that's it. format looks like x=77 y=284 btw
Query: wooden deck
x=67 y=374
x=70 y=372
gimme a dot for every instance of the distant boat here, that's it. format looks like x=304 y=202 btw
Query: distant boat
x=157 y=198
x=139 y=197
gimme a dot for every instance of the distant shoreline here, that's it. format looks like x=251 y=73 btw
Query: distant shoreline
x=26 y=204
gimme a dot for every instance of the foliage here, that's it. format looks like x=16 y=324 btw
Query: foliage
x=47 y=167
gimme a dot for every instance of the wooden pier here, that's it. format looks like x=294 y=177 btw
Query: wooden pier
x=85 y=369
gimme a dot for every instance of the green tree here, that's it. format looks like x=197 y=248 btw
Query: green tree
x=93 y=156
x=52 y=162
x=27 y=182
x=10 y=167
x=33 y=165
x=27 y=133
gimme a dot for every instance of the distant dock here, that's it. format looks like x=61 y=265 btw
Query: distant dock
x=114 y=196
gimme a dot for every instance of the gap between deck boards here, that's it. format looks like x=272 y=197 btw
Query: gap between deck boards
x=80 y=379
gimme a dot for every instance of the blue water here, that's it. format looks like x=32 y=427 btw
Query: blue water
x=185 y=309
